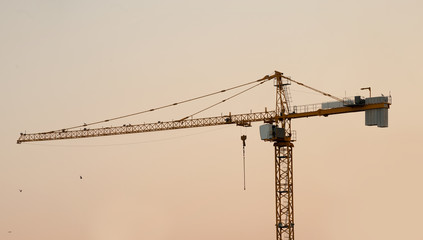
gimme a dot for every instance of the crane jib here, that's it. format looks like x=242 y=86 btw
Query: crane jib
x=239 y=119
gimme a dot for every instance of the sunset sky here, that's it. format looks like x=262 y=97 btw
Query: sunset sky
x=65 y=63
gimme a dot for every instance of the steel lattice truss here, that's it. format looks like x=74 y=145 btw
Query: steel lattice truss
x=284 y=191
x=240 y=119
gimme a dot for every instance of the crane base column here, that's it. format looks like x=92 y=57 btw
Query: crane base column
x=284 y=190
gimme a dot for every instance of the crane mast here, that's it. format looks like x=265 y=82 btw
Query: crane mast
x=277 y=129
x=284 y=198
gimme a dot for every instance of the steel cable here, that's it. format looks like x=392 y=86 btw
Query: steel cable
x=224 y=100
x=262 y=80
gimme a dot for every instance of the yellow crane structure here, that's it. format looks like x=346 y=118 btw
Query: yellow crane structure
x=277 y=129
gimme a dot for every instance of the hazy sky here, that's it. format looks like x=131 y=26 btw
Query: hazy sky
x=63 y=63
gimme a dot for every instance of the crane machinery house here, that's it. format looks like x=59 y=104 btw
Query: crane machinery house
x=268 y=132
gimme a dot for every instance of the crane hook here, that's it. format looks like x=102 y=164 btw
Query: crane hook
x=243 y=138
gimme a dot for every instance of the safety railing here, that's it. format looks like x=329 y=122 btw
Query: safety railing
x=306 y=108
x=293 y=135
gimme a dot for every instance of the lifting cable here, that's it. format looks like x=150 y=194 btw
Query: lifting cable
x=262 y=80
x=243 y=138
x=224 y=100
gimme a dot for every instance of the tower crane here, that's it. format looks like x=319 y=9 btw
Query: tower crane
x=276 y=129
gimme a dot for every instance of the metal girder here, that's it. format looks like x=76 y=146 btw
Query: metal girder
x=240 y=119
x=284 y=197
x=333 y=111
x=284 y=191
